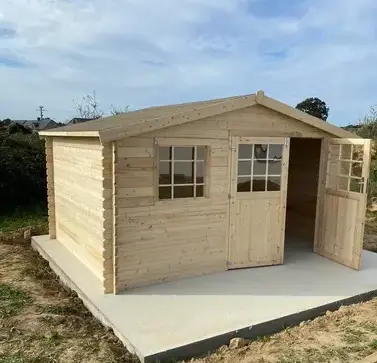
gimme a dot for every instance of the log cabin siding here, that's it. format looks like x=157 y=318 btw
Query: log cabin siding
x=165 y=240
x=78 y=190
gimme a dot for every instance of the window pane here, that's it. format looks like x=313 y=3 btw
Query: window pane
x=358 y=151
x=164 y=193
x=244 y=184
x=259 y=184
x=355 y=185
x=275 y=152
x=199 y=191
x=273 y=183
x=259 y=167
x=274 y=167
x=183 y=153
x=244 y=168
x=200 y=172
x=345 y=152
x=183 y=173
x=200 y=152
x=260 y=151
x=165 y=173
x=343 y=183
x=344 y=167
x=356 y=169
x=184 y=191
x=245 y=151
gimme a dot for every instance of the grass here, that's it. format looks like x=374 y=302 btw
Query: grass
x=25 y=218
x=12 y=300
x=42 y=321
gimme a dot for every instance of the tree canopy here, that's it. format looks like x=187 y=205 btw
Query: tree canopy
x=315 y=107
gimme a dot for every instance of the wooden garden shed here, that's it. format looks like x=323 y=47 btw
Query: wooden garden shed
x=169 y=192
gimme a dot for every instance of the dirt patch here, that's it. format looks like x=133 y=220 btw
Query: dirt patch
x=42 y=321
x=346 y=335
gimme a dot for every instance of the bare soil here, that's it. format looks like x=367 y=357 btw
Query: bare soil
x=43 y=322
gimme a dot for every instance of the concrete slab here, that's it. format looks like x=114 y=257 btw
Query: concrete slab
x=195 y=315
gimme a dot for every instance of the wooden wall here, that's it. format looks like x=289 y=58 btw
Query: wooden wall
x=164 y=240
x=80 y=201
x=302 y=187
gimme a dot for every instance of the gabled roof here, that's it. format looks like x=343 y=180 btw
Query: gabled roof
x=154 y=118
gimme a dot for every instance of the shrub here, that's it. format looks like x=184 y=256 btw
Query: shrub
x=22 y=171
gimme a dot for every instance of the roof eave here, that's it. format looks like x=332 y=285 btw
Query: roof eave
x=303 y=117
x=56 y=133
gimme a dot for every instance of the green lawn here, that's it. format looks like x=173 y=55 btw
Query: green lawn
x=36 y=218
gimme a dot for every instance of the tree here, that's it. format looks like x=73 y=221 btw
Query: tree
x=88 y=107
x=18 y=129
x=315 y=107
x=118 y=111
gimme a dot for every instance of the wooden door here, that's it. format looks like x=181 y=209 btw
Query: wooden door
x=342 y=197
x=259 y=174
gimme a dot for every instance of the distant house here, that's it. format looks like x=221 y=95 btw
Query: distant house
x=37 y=125
x=78 y=120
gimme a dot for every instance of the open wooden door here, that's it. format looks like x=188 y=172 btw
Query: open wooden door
x=342 y=197
x=259 y=174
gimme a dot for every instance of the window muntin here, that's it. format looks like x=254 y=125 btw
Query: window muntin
x=181 y=172
x=259 y=167
x=344 y=170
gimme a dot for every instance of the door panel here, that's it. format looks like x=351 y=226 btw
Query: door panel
x=342 y=198
x=258 y=201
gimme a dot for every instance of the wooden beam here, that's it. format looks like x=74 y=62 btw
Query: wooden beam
x=108 y=218
x=56 y=132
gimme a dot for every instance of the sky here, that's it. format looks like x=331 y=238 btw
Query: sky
x=143 y=53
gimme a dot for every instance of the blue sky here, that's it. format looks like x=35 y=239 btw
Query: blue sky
x=147 y=52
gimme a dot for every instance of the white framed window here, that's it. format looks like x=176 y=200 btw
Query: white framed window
x=181 y=172
x=259 y=167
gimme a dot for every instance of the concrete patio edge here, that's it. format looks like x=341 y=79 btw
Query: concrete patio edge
x=204 y=346
x=264 y=329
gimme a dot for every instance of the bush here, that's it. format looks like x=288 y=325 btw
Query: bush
x=368 y=130
x=22 y=171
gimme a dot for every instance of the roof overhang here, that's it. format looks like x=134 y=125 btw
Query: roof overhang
x=113 y=133
x=69 y=133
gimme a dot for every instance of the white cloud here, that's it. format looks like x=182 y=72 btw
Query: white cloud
x=151 y=52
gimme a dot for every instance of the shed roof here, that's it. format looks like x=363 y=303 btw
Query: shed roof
x=154 y=118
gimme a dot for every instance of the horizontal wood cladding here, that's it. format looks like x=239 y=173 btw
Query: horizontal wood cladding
x=165 y=240
x=251 y=121
x=78 y=185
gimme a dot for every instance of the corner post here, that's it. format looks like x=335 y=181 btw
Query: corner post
x=50 y=187
x=108 y=199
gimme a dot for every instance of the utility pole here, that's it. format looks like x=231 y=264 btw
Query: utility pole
x=41 y=109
